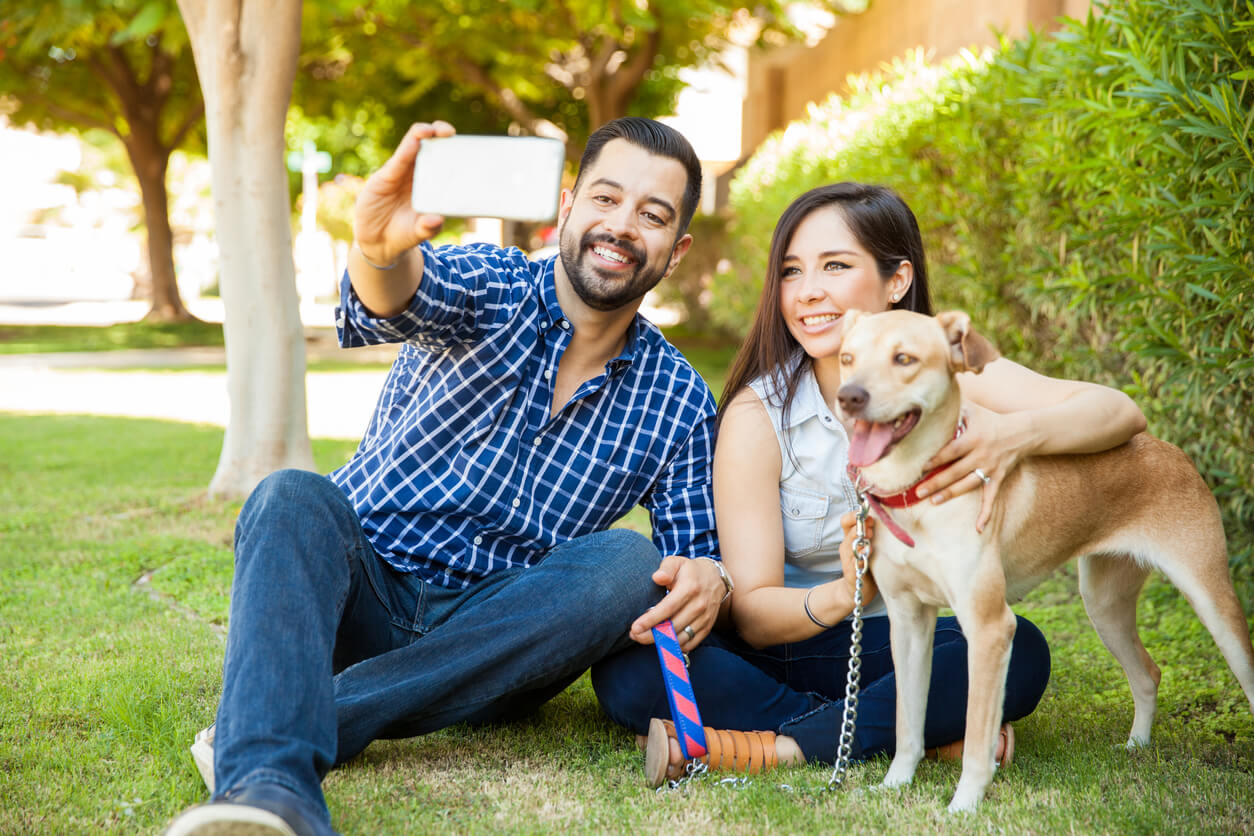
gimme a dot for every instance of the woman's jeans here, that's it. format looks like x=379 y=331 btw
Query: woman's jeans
x=329 y=648
x=798 y=689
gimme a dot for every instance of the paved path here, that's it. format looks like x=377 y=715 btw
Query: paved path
x=124 y=383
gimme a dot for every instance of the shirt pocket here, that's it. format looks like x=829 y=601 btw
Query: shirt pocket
x=804 y=513
x=592 y=493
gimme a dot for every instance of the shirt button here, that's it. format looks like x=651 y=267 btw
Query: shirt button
x=548 y=373
x=478 y=539
x=565 y=325
x=517 y=502
x=827 y=419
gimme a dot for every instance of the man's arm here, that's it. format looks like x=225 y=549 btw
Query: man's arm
x=681 y=507
x=385 y=266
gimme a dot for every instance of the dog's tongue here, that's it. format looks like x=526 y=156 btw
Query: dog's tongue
x=868 y=442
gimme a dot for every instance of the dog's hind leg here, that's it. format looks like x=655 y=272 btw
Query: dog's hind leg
x=912 y=630
x=1110 y=586
x=1207 y=586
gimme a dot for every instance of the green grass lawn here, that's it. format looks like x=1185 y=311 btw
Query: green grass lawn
x=32 y=339
x=114 y=577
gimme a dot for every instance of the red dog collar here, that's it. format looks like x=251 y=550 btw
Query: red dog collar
x=902 y=499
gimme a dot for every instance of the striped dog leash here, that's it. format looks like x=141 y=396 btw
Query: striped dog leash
x=679 y=694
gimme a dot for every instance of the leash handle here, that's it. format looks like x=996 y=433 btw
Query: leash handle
x=679 y=693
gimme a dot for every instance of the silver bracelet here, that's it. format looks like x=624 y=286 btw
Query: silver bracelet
x=378 y=267
x=728 y=585
x=811 y=614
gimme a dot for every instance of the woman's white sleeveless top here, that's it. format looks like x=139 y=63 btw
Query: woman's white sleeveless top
x=814 y=491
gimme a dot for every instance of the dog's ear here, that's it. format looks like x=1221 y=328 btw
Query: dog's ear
x=968 y=351
x=847 y=321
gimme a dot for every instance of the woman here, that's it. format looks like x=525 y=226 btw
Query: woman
x=782 y=500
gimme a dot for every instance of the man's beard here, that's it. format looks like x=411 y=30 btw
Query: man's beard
x=597 y=290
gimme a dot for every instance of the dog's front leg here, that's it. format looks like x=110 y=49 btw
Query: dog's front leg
x=912 y=628
x=989 y=626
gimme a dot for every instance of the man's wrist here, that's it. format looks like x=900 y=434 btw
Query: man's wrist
x=378 y=263
x=728 y=585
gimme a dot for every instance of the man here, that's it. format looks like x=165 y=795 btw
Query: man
x=460 y=568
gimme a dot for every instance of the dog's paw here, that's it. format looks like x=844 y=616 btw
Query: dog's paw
x=967 y=797
x=1134 y=743
x=959 y=805
x=900 y=773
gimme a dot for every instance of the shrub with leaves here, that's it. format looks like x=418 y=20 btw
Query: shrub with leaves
x=1087 y=196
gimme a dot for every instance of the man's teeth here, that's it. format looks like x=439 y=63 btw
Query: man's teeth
x=610 y=254
x=820 y=319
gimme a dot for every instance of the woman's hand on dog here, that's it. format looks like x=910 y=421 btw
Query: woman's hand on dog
x=993 y=443
x=694 y=595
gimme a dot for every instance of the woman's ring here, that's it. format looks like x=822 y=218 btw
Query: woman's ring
x=689 y=632
x=983 y=478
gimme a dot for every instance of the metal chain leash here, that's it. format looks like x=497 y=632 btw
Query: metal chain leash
x=695 y=770
x=861 y=553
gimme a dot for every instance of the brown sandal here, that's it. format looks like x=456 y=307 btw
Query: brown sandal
x=1003 y=753
x=729 y=751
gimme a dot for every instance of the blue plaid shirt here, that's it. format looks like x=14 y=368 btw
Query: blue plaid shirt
x=463 y=472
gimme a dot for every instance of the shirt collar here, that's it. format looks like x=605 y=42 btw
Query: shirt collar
x=808 y=401
x=550 y=311
x=551 y=314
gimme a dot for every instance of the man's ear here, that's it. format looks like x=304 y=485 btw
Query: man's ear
x=681 y=247
x=968 y=351
x=565 y=201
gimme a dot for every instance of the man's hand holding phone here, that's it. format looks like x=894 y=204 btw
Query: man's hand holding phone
x=404 y=202
x=386 y=267
x=385 y=224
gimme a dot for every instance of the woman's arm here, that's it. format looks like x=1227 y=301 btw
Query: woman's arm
x=747 y=466
x=1018 y=413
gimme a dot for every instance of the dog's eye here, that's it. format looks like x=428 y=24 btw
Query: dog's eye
x=902 y=359
x=846 y=359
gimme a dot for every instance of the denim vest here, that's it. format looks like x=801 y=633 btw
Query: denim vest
x=814 y=491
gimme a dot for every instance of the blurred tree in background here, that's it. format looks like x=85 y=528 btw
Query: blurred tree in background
x=547 y=68
x=122 y=66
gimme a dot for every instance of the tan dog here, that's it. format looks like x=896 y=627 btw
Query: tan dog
x=1138 y=507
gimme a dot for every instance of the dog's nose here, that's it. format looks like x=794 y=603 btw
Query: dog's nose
x=853 y=398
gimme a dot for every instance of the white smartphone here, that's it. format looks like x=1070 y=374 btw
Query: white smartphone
x=512 y=177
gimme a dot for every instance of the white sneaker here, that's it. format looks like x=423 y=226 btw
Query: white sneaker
x=229 y=820
x=202 y=754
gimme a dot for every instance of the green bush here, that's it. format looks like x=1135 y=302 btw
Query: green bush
x=1087 y=196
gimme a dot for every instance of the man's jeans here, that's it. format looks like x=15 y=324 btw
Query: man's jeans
x=329 y=648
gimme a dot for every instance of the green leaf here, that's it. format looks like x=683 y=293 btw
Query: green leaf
x=1203 y=292
x=149 y=19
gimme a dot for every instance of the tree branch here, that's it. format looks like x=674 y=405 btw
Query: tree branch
x=598 y=63
x=124 y=72
x=629 y=76
x=190 y=121
x=69 y=114
x=514 y=106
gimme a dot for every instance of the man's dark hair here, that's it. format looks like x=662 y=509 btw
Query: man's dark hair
x=655 y=138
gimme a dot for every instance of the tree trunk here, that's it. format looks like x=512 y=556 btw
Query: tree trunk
x=150 y=164
x=246 y=57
